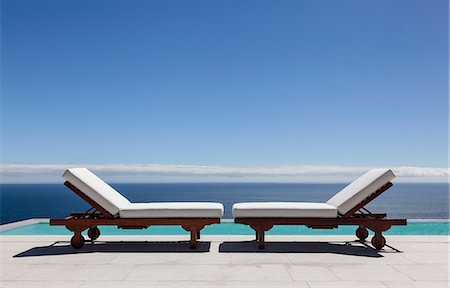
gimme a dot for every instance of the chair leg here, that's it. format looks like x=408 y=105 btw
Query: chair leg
x=259 y=231
x=261 y=243
x=194 y=233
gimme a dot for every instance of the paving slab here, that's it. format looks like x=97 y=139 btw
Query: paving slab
x=372 y=272
x=310 y=272
x=346 y=284
x=40 y=284
x=423 y=272
x=439 y=257
x=431 y=284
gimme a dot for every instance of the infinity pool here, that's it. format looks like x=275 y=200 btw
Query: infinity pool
x=229 y=228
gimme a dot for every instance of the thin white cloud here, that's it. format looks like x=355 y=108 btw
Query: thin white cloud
x=40 y=173
x=48 y=173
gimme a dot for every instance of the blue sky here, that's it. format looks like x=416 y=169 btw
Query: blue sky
x=226 y=83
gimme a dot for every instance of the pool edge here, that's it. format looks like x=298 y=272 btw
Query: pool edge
x=26 y=222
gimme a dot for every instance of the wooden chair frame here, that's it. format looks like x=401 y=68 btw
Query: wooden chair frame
x=358 y=216
x=98 y=216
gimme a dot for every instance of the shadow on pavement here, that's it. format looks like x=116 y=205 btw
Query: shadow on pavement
x=354 y=248
x=63 y=247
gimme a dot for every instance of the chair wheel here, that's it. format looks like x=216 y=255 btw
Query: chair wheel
x=77 y=241
x=378 y=242
x=362 y=233
x=93 y=233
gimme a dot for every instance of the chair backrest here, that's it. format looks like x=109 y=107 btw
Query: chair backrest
x=96 y=189
x=352 y=195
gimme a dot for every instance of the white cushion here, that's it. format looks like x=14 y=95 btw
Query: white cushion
x=96 y=189
x=284 y=210
x=360 y=189
x=173 y=210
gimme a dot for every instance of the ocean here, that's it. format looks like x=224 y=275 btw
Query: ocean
x=404 y=200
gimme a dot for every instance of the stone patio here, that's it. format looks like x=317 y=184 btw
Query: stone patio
x=224 y=261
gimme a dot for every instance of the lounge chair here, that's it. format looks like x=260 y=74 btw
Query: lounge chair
x=109 y=207
x=344 y=208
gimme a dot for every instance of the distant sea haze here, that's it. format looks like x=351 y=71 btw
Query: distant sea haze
x=405 y=200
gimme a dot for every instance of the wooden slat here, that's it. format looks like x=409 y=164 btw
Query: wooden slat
x=86 y=198
x=367 y=200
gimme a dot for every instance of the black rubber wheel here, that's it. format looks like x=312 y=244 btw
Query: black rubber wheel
x=378 y=242
x=93 y=233
x=77 y=241
x=362 y=233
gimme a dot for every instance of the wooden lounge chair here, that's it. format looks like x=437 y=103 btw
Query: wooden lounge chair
x=344 y=208
x=109 y=207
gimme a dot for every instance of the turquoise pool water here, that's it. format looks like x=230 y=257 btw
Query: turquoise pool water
x=229 y=228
